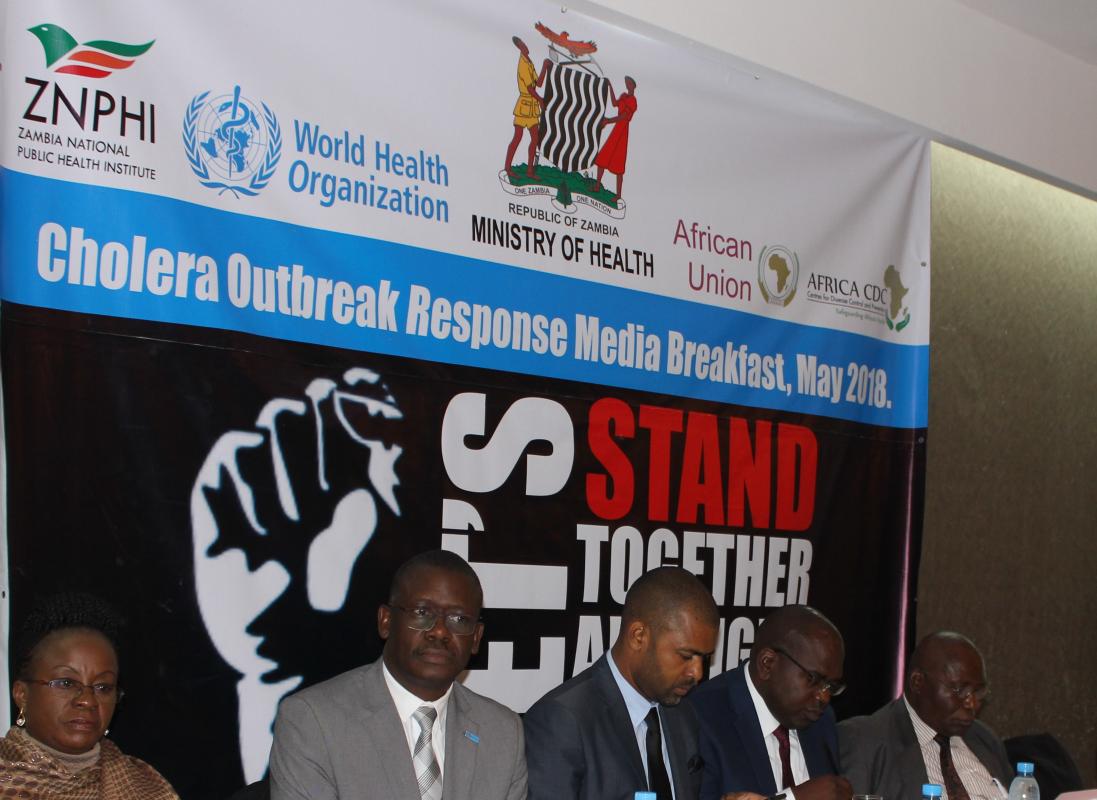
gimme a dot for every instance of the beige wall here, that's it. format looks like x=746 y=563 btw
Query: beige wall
x=1010 y=543
x=943 y=65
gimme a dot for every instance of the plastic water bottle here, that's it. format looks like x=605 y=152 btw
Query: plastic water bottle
x=932 y=791
x=1024 y=786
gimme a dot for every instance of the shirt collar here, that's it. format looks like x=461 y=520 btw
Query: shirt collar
x=408 y=703
x=638 y=706
x=922 y=732
x=766 y=720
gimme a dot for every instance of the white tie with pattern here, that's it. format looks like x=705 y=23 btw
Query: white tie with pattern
x=427 y=770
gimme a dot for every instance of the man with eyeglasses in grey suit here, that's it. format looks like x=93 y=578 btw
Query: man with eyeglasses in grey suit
x=930 y=734
x=767 y=726
x=403 y=728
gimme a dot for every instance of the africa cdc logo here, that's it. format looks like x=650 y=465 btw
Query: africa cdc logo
x=233 y=143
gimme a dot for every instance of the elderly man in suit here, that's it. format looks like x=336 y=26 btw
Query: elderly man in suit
x=930 y=734
x=767 y=726
x=402 y=728
x=619 y=727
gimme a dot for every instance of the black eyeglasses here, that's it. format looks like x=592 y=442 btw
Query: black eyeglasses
x=423 y=618
x=815 y=680
x=70 y=688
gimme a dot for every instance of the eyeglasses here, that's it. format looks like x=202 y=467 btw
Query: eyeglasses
x=815 y=680
x=423 y=618
x=70 y=688
x=965 y=693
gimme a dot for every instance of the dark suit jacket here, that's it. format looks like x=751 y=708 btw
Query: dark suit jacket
x=733 y=746
x=880 y=753
x=580 y=743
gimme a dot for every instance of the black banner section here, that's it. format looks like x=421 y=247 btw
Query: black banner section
x=245 y=500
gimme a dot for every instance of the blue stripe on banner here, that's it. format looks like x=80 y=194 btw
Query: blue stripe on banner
x=107 y=251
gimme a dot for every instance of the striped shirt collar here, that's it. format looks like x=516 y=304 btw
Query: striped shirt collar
x=922 y=732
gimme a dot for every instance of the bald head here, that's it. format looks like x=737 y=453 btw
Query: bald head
x=444 y=560
x=790 y=624
x=796 y=664
x=659 y=596
x=939 y=649
x=946 y=682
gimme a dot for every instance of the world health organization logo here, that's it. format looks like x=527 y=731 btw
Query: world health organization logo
x=233 y=144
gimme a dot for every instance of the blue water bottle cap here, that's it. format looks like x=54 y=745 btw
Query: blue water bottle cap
x=1025 y=768
x=931 y=790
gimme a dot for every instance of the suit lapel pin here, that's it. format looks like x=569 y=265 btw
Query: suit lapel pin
x=472 y=737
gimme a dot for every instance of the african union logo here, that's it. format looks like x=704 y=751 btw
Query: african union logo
x=233 y=144
x=778 y=272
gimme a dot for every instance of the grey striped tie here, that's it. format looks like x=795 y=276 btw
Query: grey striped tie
x=427 y=770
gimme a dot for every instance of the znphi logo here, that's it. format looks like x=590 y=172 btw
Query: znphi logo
x=95 y=59
x=233 y=144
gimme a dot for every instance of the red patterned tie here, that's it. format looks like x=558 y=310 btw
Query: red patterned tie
x=781 y=732
x=953 y=785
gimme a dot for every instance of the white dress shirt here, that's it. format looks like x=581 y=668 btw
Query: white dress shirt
x=769 y=723
x=638 y=708
x=407 y=704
